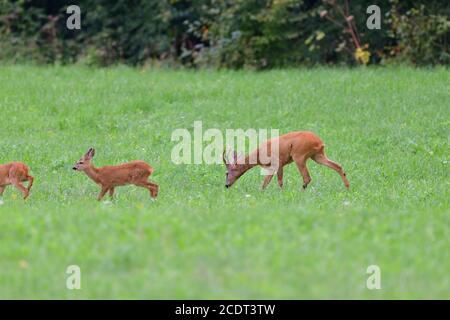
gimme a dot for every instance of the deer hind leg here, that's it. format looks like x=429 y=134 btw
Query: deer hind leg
x=142 y=181
x=21 y=188
x=30 y=180
x=266 y=181
x=2 y=190
x=322 y=159
x=152 y=187
x=17 y=175
x=301 y=165
x=155 y=188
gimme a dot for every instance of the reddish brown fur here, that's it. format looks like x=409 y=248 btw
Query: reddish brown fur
x=15 y=173
x=298 y=147
x=109 y=177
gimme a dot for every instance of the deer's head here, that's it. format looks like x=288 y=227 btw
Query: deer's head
x=85 y=160
x=233 y=169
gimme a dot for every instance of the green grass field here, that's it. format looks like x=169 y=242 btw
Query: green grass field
x=389 y=128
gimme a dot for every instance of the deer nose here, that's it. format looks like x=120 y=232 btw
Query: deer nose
x=74 y=168
x=227 y=186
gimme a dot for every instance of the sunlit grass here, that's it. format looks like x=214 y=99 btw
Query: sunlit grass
x=389 y=128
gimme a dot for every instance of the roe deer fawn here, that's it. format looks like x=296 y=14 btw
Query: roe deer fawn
x=109 y=177
x=15 y=173
x=296 y=147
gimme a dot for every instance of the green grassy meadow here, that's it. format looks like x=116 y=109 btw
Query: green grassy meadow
x=388 y=127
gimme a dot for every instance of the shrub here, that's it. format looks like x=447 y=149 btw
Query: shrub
x=421 y=38
x=255 y=34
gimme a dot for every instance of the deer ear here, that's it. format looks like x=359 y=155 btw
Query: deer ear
x=90 y=154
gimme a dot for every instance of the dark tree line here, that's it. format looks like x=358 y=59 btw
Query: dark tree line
x=225 y=33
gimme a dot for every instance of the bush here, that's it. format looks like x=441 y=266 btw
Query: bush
x=421 y=38
x=222 y=33
x=19 y=31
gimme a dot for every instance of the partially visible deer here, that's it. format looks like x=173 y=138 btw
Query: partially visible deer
x=15 y=173
x=109 y=177
x=298 y=147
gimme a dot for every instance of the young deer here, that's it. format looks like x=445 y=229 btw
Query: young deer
x=109 y=177
x=296 y=147
x=14 y=174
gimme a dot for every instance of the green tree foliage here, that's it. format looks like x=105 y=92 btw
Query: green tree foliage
x=422 y=38
x=221 y=33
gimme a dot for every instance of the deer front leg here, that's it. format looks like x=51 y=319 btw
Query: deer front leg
x=102 y=193
x=2 y=189
x=280 y=177
x=111 y=192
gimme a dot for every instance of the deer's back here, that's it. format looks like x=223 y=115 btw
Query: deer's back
x=304 y=143
x=296 y=144
x=126 y=173
x=301 y=143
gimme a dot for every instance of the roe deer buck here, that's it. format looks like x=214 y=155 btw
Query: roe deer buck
x=296 y=146
x=15 y=173
x=109 y=177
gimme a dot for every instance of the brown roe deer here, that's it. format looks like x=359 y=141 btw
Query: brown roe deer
x=298 y=147
x=109 y=177
x=15 y=173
